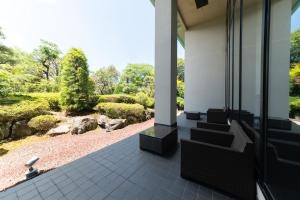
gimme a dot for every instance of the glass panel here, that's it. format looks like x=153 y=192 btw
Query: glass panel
x=283 y=141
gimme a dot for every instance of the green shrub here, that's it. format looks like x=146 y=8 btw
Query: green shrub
x=75 y=83
x=143 y=99
x=295 y=108
x=53 y=99
x=132 y=112
x=180 y=88
x=117 y=98
x=93 y=101
x=180 y=103
x=23 y=111
x=43 y=123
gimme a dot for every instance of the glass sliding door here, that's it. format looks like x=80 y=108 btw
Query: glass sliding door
x=280 y=132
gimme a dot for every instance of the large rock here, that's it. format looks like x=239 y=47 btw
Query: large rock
x=4 y=130
x=115 y=124
x=21 y=129
x=83 y=124
x=62 y=129
x=149 y=113
x=103 y=121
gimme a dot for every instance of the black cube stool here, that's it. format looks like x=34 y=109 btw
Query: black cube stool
x=159 y=139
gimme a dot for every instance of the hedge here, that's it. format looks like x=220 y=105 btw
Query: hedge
x=132 y=112
x=43 y=123
x=23 y=111
x=117 y=98
x=53 y=99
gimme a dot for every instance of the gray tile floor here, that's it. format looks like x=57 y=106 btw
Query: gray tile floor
x=120 y=171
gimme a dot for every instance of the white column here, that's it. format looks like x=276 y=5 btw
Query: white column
x=165 y=61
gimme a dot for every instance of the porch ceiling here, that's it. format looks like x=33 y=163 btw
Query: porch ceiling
x=192 y=16
x=189 y=15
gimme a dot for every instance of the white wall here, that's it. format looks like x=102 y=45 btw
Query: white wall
x=204 y=66
x=205 y=62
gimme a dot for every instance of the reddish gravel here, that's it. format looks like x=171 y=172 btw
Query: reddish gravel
x=60 y=150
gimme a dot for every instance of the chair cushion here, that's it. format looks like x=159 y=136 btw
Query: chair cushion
x=240 y=138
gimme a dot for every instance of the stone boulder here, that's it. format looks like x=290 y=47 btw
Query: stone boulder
x=81 y=125
x=149 y=113
x=61 y=129
x=103 y=121
x=4 y=130
x=21 y=129
x=115 y=124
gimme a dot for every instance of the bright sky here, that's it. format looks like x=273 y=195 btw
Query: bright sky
x=114 y=32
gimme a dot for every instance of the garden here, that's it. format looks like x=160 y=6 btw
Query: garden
x=44 y=92
x=54 y=107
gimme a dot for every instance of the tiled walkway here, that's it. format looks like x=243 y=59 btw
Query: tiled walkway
x=120 y=171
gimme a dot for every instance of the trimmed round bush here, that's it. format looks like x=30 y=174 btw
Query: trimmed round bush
x=132 y=112
x=23 y=111
x=117 y=98
x=43 y=123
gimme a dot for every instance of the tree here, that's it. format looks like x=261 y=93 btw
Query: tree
x=135 y=78
x=295 y=47
x=75 y=85
x=106 y=79
x=6 y=53
x=48 y=54
x=180 y=69
x=24 y=75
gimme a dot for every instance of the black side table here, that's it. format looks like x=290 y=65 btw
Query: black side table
x=159 y=139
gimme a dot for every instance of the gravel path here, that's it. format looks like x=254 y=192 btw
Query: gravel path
x=59 y=150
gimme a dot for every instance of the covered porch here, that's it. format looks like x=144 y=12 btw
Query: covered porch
x=120 y=171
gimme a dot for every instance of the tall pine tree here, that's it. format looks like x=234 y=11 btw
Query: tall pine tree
x=75 y=90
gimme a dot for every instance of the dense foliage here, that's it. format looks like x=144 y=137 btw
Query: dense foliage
x=180 y=69
x=295 y=80
x=295 y=47
x=75 y=89
x=105 y=80
x=180 y=103
x=136 y=78
x=294 y=106
x=143 y=99
x=51 y=98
